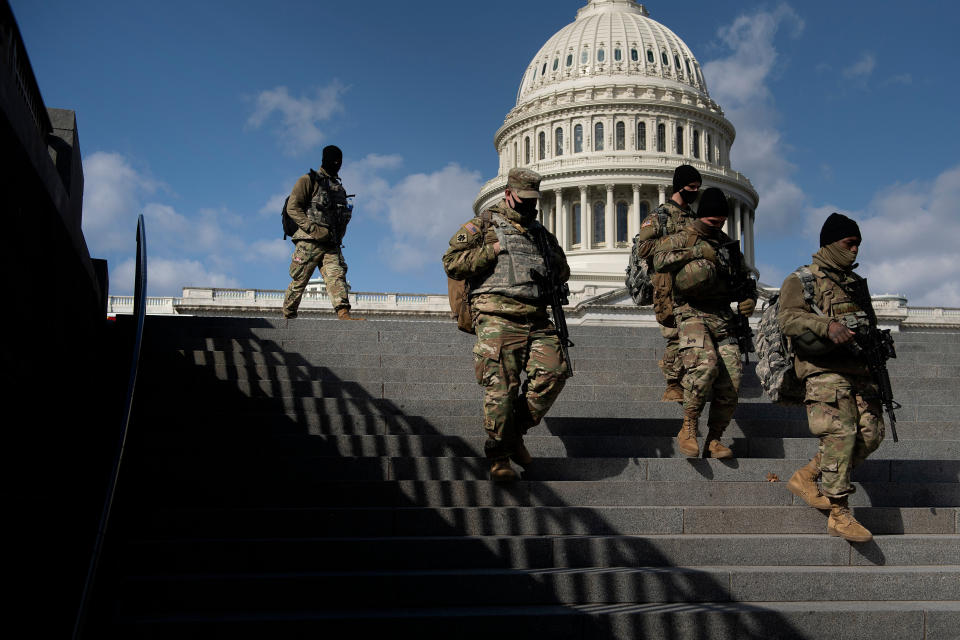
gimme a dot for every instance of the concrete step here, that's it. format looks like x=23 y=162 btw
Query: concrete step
x=540 y=446
x=855 y=620
x=204 y=552
x=606 y=585
x=341 y=522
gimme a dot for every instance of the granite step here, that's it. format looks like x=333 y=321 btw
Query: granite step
x=214 y=542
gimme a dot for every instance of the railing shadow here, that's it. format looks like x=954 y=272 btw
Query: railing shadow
x=263 y=442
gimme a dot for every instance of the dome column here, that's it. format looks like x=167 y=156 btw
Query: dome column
x=662 y=193
x=748 y=238
x=610 y=221
x=562 y=219
x=635 y=221
x=586 y=220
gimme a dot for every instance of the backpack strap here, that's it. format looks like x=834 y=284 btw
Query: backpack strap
x=808 y=281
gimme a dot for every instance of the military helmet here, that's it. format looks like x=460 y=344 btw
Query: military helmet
x=696 y=277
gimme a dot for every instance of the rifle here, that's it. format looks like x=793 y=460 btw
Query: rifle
x=875 y=346
x=742 y=287
x=557 y=293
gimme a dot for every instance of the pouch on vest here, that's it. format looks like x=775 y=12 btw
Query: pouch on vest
x=638 y=276
x=663 y=299
x=696 y=277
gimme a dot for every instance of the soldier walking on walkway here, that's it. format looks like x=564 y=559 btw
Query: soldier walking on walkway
x=669 y=218
x=318 y=204
x=497 y=254
x=819 y=305
x=709 y=274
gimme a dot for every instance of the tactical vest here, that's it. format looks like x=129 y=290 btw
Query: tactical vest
x=519 y=255
x=833 y=300
x=328 y=208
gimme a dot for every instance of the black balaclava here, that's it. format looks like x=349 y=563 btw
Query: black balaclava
x=712 y=203
x=838 y=227
x=332 y=159
x=682 y=176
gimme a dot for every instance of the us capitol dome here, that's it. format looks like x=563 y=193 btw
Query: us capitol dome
x=606 y=110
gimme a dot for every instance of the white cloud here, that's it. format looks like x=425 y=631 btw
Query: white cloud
x=276 y=250
x=274 y=203
x=910 y=237
x=739 y=81
x=300 y=117
x=862 y=68
x=422 y=209
x=167 y=277
x=112 y=200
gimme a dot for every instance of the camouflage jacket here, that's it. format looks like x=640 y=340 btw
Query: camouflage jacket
x=675 y=252
x=470 y=255
x=651 y=233
x=299 y=203
x=796 y=316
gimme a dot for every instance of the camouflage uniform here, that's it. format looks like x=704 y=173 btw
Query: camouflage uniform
x=651 y=232
x=514 y=335
x=708 y=347
x=315 y=246
x=843 y=402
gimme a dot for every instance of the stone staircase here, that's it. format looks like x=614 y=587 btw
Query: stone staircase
x=306 y=478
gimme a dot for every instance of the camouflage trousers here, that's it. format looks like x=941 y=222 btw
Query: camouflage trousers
x=845 y=412
x=306 y=257
x=711 y=362
x=670 y=364
x=507 y=347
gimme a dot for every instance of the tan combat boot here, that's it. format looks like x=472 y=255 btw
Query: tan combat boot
x=687 y=438
x=501 y=471
x=344 y=314
x=842 y=523
x=803 y=483
x=673 y=392
x=712 y=448
x=521 y=456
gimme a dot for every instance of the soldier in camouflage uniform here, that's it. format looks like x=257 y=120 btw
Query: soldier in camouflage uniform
x=500 y=260
x=703 y=291
x=843 y=402
x=317 y=239
x=677 y=214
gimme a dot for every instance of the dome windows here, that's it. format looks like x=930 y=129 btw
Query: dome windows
x=556 y=63
x=679 y=141
x=696 y=144
x=543 y=71
x=676 y=60
x=599 y=218
x=641 y=136
x=569 y=59
x=621 y=136
x=634 y=55
x=661 y=138
x=526 y=150
x=584 y=56
x=664 y=59
x=601 y=54
x=621 y=222
x=542 y=145
x=687 y=63
x=559 y=138
x=650 y=56
x=598 y=137
x=578 y=138
x=576 y=223
x=617 y=55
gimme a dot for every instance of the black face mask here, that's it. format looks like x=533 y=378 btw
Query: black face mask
x=689 y=197
x=332 y=159
x=527 y=208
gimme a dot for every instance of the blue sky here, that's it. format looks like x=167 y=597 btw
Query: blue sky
x=201 y=115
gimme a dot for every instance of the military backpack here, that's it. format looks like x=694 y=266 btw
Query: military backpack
x=776 y=352
x=458 y=291
x=289 y=226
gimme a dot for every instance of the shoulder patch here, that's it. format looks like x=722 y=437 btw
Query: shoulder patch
x=461 y=237
x=472 y=228
x=647 y=223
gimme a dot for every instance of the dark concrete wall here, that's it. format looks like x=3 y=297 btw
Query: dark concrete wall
x=58 y=367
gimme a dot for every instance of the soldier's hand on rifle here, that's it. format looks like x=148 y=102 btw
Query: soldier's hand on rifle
x=708 y=252
x=747 y=307
x=838 y=333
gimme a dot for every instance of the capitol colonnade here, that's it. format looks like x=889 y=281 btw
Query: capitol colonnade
x=607 y=109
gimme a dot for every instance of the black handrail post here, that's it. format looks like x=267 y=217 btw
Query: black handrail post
x=139 y=312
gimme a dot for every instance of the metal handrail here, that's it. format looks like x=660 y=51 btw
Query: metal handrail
x=139 y=312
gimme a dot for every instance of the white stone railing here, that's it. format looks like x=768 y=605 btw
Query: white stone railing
x=155 y=306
